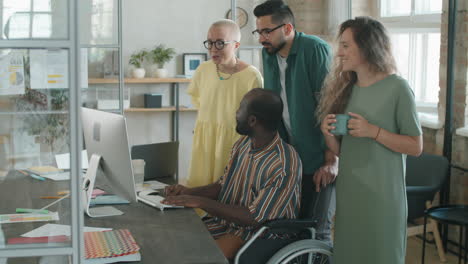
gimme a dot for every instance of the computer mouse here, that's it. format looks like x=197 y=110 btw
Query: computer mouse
x=153 y=193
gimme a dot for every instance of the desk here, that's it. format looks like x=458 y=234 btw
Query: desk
x=174 y=236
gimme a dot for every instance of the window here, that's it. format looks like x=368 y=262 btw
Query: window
x=103 y=24
x=414 y=27
x=23 y=19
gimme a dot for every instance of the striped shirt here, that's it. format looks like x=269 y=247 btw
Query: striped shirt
x=267 y=181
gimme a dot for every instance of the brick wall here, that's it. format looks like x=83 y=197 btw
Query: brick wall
x=310 y=15
x=364 y=8
x=459 y=182
x=433 y=139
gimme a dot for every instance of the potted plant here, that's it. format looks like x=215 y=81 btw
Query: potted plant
x=137 y=59
x=160 y=55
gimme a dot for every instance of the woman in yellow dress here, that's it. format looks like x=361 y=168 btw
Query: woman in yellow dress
x=217 y=88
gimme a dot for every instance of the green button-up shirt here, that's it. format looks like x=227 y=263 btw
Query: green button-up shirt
x=308 y=64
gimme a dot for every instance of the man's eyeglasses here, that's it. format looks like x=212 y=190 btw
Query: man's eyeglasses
x=219 y=44
x=265 y=32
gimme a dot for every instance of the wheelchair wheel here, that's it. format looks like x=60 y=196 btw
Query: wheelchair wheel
x=303 y=252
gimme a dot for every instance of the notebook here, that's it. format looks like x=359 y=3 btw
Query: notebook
x=36 y=240
x=126 y=258
x=108 y=244
x=152 y=198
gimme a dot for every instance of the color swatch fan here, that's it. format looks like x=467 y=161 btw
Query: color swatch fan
x=108 y=244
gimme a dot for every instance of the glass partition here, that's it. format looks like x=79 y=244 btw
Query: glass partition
x=34 y=112
x=40 y=142
x=34 y=99
x=102 y=89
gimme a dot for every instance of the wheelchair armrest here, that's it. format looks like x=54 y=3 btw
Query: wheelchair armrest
x=418 y=190
x=290 y=226
x=291 y=223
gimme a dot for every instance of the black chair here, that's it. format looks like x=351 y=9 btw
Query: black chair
x=425 y=176
x=161 y=160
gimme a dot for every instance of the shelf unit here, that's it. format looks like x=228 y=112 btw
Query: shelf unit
x=162 y=109
x=174 y=107
x=141 y=80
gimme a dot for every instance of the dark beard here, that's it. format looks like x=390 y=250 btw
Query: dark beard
x=243 y=128
x=270 y=49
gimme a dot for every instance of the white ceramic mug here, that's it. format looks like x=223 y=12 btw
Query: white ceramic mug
x=138 y=170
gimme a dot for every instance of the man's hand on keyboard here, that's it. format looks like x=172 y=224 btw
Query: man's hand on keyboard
x=174 y=190
x=185 y=200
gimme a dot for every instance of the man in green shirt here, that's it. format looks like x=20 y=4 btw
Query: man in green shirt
x=294 y=67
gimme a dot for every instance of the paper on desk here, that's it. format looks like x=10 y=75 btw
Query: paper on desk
x=61 y=176
x=20 y=218
x=156 y=184
x=96 y=192
x=139 y=187
x=58 y=230
x=63 y=160
x=108 y=199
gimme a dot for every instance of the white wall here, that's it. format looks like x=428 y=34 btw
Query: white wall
x=179 y=24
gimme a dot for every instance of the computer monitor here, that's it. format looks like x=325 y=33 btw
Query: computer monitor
x=160 y=159
x=106 y=141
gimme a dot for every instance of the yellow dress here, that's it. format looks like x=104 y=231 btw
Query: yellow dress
x=215 y=128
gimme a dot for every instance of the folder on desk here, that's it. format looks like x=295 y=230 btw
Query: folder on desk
x=108 y=199
x=37 y=240
x=44 y=170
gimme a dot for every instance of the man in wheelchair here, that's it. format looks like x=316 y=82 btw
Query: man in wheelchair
x=262 y=180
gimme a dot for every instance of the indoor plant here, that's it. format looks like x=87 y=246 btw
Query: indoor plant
x=160 y=55
x=137 y=59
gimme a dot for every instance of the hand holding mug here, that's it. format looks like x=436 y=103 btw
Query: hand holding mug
x=359 y=127
x=328 y=124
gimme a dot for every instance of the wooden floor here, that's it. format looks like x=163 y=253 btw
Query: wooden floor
x=414 y=252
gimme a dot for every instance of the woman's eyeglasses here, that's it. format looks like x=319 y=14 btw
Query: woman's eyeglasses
x=219 y=44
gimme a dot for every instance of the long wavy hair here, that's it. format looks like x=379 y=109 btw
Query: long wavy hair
x=374 y=46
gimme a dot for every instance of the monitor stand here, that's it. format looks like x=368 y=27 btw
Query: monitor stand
x=87 y=191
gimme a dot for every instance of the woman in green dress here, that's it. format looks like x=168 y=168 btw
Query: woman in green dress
x=371 y=207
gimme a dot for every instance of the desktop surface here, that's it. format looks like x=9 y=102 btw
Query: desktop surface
x=169 y=236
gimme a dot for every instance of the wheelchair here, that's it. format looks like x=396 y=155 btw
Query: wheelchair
x=294 y=240
x=301 y=249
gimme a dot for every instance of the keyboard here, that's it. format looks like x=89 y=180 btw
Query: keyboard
x=152 y=198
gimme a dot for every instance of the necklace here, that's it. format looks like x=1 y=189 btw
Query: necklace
x=230 y=75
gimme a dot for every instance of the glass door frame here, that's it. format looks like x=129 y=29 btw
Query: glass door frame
x=76 y=249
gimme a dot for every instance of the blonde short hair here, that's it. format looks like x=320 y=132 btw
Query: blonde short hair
x=227 y=23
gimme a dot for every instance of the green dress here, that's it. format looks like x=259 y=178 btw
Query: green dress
x=371 y=208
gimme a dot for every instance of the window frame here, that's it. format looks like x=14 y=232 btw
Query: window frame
x=31 y=14
x=412 y=24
